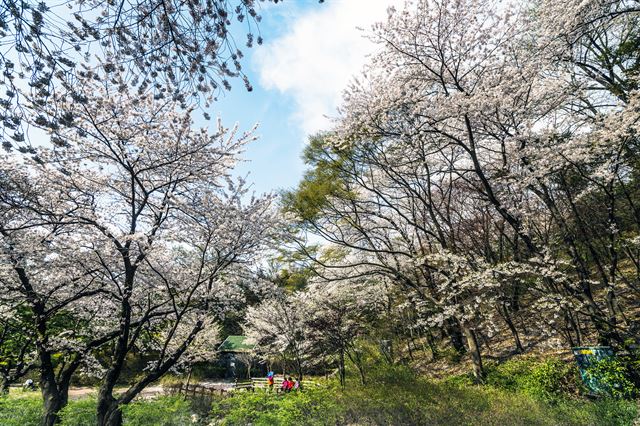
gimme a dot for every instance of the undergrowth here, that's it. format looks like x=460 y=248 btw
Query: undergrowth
x=517 y=392
x=25 y=409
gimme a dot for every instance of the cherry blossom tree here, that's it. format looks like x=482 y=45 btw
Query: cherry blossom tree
x=181 y=50
x=338 y=314
x=150 y=231
x=277 y=325
x=485 y=158
x=48 y=275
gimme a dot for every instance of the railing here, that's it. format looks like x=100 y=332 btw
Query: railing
x=261 y=382
x=195 y=390
x=239 y=385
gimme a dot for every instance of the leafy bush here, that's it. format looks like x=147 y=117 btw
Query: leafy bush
x=171 y=379
x=613 y=377
x=466 y=379
x=520 y=394
x=547 y=380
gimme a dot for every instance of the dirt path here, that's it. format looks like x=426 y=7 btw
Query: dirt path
x=85 y=391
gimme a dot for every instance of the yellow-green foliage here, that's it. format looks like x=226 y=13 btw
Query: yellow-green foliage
x=163 y=411
x=517 y=393
x=21 y=409
x=310 y=407
x=395 y=396
x=26 y=410
x=547 y=380
x=613 y=377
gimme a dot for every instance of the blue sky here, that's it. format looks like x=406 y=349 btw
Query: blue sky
x=310 y=53
x=311 y=50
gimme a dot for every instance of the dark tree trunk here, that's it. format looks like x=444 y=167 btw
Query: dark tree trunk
x=514 y=331
x=54 y=398
x=55 y=394
x=432 y=346
x=4 y=386
x=474 y=350
x=455 y=334
x=109 y=412
x=356 y=359
x=299 y=365
x=363 y=379
x=189 y=375
x=341 y=368
x=53 y=402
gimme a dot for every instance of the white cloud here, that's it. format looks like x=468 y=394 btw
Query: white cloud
x=315 y=60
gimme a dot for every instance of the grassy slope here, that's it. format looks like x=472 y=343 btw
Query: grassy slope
x=517 y=393
x=399 y=398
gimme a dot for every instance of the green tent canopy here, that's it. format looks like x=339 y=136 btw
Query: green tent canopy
x=237 y=344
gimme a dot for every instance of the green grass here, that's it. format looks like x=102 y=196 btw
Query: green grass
x=396 y=397
x=518 y=392
x=25 y=409
x=20 y=409
x=310 y=407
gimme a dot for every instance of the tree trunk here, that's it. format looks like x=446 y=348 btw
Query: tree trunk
x=474 y=350
x=4 y=386
x=453 y=330
x=53 y=402
x=341 y=369
x=189 y=375
x=356 y=359
x=299 y=365
x=514 y=331
x=54 y=395
x=363 y=379
x=432 y=346
x=109 y=412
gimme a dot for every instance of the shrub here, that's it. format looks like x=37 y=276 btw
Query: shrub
x=547 y=380
x=612 y=376
x=460 y=380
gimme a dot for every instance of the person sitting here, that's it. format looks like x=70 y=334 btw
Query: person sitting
x=289 y=384
x=29 y=385
x=285 y=385
x=296 y=385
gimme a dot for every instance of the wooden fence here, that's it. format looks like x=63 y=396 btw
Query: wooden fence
x=195 y=390
x=239 y=385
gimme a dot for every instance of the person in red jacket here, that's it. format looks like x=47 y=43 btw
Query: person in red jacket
x=285 y=385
